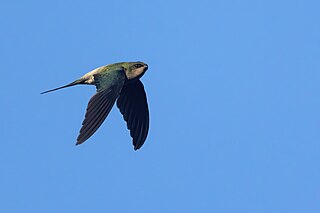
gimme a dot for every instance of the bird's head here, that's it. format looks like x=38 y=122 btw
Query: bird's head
x=134 y=70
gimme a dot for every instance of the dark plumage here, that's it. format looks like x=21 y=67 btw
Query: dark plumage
x=119 y=82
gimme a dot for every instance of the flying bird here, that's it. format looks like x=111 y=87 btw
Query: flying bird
x=116 y=82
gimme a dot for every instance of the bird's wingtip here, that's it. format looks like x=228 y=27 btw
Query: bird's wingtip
x=136 y=148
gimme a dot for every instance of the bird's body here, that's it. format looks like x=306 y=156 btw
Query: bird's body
x=119 y=81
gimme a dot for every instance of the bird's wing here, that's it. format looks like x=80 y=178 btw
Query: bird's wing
x=133 y=105
x=108 y=88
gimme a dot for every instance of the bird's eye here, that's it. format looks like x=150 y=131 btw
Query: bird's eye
x=137 y=65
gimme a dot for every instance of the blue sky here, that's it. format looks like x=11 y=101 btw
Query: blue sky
x=233 y=91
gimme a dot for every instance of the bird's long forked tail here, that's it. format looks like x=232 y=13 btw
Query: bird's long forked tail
x=79 y=81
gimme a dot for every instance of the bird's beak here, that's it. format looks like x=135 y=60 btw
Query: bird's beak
x=145 y=67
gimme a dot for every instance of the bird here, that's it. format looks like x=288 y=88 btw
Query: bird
x=118 y=82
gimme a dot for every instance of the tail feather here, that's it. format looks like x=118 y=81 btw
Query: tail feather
x=80 y=81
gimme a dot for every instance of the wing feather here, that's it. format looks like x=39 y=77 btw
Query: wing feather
x=109 y=85
x=98 y=109
x=133 y=105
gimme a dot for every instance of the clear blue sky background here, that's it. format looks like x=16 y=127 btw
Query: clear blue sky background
x=233 y=90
